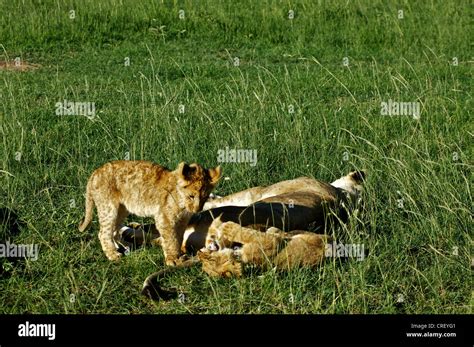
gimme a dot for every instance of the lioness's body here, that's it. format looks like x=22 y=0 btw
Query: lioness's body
x=289 y=211
x=300 y=204
x=252 y=195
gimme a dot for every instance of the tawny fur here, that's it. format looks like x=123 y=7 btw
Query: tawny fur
x=351 y=183
x=222 y=263
x=289 y=205
x=274 y=248
x=146 y=189
x=300 y=204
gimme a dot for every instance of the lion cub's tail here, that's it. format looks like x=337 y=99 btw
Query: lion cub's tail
x=151 y=287
x=89 y=208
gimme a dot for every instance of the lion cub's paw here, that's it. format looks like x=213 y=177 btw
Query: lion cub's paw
x=114 y=256
x=171 y=262
x=157 y=242
x=221 y=263
x=175 y=261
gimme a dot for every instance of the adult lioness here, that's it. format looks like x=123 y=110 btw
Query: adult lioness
x=300 y=204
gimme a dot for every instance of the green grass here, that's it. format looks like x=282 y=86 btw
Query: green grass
x=283 y=62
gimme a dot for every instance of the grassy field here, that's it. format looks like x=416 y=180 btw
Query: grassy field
x=305 y=92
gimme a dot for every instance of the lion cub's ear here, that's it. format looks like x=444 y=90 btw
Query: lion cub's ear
x=215 y=174
x=186 y=171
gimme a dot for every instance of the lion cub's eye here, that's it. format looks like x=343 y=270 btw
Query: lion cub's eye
x=191 y=197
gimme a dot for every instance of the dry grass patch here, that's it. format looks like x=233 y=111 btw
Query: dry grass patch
x=14 y=66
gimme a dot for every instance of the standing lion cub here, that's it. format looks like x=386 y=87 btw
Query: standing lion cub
x=146 y=189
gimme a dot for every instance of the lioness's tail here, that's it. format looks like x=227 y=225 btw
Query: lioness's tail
x=89 y=208
x=151 y=286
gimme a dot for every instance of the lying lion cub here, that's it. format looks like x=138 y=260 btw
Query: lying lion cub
x=274 y=248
